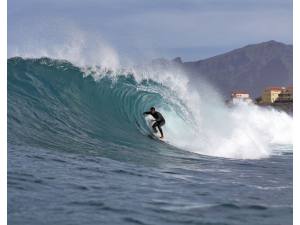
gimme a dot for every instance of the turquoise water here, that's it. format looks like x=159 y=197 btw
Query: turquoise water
x=78 y=153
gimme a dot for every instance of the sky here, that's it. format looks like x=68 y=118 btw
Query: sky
x=145 y=29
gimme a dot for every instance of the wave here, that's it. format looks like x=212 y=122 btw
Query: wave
x=55 y=104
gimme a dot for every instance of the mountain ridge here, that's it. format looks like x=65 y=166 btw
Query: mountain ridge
x=250 y=68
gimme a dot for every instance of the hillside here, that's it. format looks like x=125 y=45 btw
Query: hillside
x=251 y=68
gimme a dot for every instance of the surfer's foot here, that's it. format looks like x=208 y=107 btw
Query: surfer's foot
x=161 y=137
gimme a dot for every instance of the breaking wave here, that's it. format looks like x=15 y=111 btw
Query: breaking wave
x=57 y=105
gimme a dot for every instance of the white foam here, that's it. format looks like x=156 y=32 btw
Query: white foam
x=205 y=125
x=246 y=131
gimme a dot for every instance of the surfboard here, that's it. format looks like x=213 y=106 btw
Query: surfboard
x=156 y=138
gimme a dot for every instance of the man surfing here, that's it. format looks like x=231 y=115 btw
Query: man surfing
x=159 y=120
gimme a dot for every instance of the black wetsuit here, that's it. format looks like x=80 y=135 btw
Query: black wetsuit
x=159 y=121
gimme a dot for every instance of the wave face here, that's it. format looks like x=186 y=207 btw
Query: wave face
x=55 y=105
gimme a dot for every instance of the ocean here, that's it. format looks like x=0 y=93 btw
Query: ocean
x=79 y=151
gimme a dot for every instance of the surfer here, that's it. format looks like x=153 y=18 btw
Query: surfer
x=159 y=120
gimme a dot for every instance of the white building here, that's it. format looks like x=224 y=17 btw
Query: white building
x=240 y=96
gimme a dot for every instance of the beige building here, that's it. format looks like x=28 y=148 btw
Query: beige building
x=286 y=95
x=271 y=94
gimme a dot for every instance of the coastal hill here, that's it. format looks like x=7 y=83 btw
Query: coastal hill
x=250 y=68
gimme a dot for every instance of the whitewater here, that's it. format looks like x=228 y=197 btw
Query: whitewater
x=79 y=151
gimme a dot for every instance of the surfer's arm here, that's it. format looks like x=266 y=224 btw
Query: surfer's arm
x=146 y=113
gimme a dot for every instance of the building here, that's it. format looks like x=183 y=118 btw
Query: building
x=271 y=94
x=286 y=95
x=240 y=96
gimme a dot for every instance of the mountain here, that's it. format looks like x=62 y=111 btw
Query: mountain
x=251 y=68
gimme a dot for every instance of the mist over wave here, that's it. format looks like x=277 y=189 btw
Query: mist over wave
x=63 y=40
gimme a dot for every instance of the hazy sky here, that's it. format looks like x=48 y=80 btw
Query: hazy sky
x=140 y=29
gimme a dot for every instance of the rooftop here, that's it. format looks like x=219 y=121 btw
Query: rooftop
x=239 y=92
x=275 y=88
